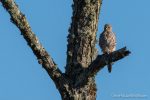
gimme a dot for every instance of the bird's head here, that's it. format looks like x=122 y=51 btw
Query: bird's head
x=108 y=28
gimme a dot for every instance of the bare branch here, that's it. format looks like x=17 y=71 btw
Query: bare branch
x=43 y=57
x=100 y=62
x=103 y=60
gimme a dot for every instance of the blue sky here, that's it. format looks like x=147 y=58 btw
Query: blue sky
x=22 y=78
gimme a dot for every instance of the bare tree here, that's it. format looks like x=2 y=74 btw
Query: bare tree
x=83 y=62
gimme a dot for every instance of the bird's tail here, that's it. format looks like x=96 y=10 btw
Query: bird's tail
x=110 y=67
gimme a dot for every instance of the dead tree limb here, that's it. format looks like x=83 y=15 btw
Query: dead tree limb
x=100 y=62
x=103 y=60
x=19 y=19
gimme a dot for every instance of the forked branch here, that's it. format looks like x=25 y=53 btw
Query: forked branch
x=100 y=63
x=79 y=67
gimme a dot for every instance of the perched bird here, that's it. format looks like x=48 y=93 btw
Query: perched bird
x=107 y=42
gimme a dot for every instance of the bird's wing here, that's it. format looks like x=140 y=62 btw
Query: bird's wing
x=101 y=39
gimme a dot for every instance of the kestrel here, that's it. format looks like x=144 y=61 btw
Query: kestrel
x=107 y=42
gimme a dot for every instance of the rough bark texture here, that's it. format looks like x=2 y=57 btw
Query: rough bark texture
x=81 y=49
x=43 y=57
x=78 y=82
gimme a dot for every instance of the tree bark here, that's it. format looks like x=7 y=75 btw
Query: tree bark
x=78 y=81
x=81 y=49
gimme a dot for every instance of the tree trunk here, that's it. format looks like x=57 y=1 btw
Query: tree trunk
x=86 y=92
x=81 y=49
x=78 y=82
